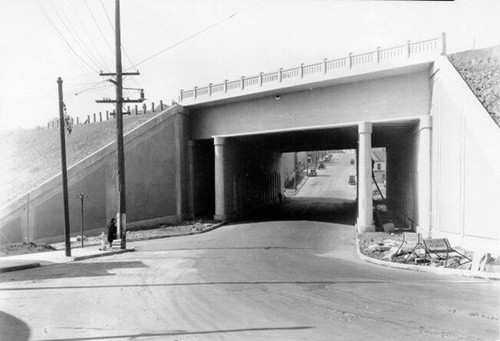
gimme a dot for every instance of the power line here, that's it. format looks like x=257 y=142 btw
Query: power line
x=107 y=16
x=89 y=37
x=99 y=27
x=77 y=63
x=75 y=36
x=64 y=39
x=185 y=39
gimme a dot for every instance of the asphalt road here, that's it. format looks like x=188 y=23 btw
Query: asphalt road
x=270 y=280
x=276 y=280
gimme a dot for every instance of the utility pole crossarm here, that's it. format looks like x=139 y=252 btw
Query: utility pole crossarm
x=123 y=73
x=105 y=101
x=133 y=100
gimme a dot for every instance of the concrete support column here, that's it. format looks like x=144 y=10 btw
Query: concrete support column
x=220 y=193
x=424 y=177
x=191 y=151
x=365 y=198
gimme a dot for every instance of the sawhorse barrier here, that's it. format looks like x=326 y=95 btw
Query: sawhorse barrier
x=430 y=246
x=440 y=246
x=411 y=240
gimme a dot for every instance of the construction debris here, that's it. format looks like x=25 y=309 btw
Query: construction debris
x=388 y=247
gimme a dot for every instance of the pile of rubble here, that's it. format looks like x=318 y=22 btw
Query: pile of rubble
x=199 y=226
x=390 y=248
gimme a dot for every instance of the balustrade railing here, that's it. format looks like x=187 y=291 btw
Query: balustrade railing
x=378 y=56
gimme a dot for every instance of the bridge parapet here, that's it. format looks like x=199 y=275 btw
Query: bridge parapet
x=327 y=69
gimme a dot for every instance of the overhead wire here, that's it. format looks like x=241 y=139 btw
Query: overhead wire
x=78 y=63
x=185 y=39
x=79 y=41
x=64 y=39
x=99 y=28
x=88 y=36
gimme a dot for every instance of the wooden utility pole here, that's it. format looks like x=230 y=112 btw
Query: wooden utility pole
x=121 y=194
x=64 y=170
x=122 y=206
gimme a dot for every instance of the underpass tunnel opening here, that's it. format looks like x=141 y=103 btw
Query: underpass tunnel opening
x=242 y=176
x=248 y=176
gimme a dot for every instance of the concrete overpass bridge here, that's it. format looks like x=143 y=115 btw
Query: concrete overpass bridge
x=376 y=99
x=218 y=151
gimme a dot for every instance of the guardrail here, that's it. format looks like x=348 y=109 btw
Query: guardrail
x=406 y=51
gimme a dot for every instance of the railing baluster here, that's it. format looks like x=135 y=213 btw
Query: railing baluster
x=375 y=57
x=443 y=42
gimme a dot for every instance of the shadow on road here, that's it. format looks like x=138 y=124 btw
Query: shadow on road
x=179 y=333
x=12 y=328
x=331 y=210
x=71 y=270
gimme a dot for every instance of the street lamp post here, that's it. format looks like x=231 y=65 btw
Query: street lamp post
x=82 y=196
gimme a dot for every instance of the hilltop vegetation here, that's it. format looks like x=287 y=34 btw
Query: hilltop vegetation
x=481 y=70
x=32 y=156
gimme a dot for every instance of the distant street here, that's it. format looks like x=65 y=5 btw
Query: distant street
x=332 y=182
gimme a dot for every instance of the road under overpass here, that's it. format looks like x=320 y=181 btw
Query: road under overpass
x=236 y=174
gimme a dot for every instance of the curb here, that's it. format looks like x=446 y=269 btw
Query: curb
x=437 y=271
x=301 y=184
x=19 y=267
x=211 y=228
x=103 y=254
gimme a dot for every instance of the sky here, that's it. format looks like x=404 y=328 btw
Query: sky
x=179 y=44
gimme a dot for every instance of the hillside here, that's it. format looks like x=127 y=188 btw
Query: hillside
x=481 y=70
x=32 y=156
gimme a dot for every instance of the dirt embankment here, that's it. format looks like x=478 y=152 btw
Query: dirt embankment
x=481 y=70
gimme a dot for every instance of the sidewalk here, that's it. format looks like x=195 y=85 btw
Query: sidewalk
x=91 y=250
x=33 y=260
x=292 y=192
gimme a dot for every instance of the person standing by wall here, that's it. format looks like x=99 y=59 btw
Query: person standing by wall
x=111 y=232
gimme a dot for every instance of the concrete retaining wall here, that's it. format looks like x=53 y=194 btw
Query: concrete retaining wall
x=154 y=177
x=466 y=164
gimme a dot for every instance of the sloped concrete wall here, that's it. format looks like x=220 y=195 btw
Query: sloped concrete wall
x=466 y=164
x=155 y=184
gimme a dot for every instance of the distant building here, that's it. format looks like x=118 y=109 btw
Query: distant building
x=379 y=165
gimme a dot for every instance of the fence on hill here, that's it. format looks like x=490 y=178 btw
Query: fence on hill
x=110 y=115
